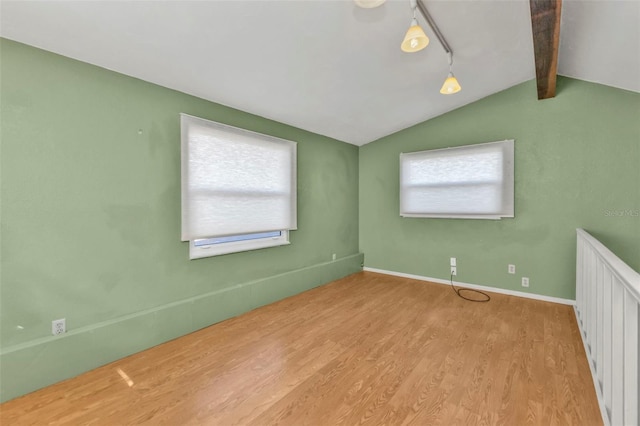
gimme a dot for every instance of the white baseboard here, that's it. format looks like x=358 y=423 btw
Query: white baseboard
x=476 y=286
x=594 y=376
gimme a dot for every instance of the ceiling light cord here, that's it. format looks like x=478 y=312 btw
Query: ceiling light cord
x=414 y=21
x=459 y=291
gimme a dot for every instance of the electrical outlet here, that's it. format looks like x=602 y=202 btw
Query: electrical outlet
x=333 y=256
x=525 y=282
x=512 y=269
x=58 y=326
x=454 y=271
x=453 y=261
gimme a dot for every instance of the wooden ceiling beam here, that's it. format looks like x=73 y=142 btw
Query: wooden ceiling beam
x=545 y=23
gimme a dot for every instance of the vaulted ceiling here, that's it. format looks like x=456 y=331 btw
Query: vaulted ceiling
x=329 y=67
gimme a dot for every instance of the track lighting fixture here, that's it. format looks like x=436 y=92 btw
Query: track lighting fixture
x=415 y=39
x=451 y=84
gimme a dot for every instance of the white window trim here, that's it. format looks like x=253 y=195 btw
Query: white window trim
x=198 y=252
x=201 y=249
x=453 y=216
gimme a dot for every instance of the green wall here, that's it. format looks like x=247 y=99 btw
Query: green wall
x=90 y=220
x=90 y=209
x=577 y=162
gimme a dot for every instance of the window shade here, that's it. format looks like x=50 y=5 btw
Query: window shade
x=235 y=181
x=474 y=181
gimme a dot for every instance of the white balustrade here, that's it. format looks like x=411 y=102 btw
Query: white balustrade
x=607 y=298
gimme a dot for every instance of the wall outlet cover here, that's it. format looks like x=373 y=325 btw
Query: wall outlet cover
x=511 y=269
x=525 y=282
x=58 y=326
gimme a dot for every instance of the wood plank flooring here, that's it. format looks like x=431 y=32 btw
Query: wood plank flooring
x=368 y=349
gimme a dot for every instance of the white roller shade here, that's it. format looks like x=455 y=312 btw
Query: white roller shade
x=474 y=181
x=235 y=181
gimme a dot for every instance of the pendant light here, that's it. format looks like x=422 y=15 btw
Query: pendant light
x=368 y=4
x=415 y=39
x=451 y=84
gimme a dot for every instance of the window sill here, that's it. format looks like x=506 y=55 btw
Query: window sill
x=199 y=252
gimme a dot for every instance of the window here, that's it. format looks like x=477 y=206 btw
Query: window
x=238 y=188
x=468 y=182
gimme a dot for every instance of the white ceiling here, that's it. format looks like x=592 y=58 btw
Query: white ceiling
x=328 y=66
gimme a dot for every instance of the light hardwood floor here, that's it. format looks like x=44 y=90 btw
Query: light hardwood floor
x=367 y=349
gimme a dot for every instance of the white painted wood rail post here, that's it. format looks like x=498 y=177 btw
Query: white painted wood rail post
x=607 y=299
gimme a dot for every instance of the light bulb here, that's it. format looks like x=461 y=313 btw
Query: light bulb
x=414 y=43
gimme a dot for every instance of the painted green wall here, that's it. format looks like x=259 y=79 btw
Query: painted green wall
x=577 y=162
x=90 y=209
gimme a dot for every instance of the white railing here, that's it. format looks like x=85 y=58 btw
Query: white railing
x=607 y=298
